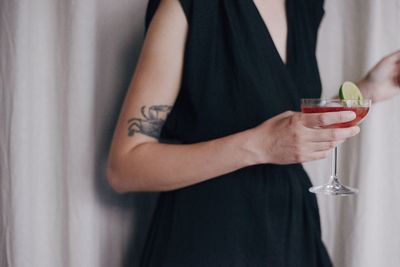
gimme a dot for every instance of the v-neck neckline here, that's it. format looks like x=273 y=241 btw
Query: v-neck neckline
x=285 y=68
x=269 y=36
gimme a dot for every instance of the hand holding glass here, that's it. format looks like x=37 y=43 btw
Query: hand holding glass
x=360 y=108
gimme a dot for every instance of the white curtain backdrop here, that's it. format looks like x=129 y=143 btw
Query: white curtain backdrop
x=64 y=70
x=362 y=231
x=65 y=66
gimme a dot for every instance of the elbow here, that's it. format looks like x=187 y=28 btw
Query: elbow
x=119 y=178
x=124 y=181
x=114 y=180
x=120 y=183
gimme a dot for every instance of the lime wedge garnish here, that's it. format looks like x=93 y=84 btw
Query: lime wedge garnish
x=350 y=91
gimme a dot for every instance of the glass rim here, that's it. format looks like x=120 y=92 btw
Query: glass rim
x=334 y=99
x=315 y=101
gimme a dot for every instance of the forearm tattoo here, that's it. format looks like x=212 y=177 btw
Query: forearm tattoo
x=152 y=122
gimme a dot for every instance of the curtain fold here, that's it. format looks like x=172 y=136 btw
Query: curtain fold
x=362 y=230
x=64 y=70
x=7 y=78
x=65 y=66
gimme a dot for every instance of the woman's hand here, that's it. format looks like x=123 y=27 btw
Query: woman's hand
x=294 y=137
x=383 y=80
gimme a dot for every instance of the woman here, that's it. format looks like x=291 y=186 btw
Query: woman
x=225 y=78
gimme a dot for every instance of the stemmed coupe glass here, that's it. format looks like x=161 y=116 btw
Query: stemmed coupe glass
x=361 y=109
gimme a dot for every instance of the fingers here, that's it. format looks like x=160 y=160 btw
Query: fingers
x=313 y=155
x=395 y=56
x=332 y=135
x=317 y=120
x=317 y=150
x=319 y=155
x=322 y=146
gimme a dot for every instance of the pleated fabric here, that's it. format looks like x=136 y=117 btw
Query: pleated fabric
x=234 y=79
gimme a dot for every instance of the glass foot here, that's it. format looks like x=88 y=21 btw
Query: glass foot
x=334 y=189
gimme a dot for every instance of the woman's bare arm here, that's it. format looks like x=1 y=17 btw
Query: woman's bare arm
x=139 y=162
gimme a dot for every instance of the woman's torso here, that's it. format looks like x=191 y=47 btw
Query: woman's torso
x=234 y=79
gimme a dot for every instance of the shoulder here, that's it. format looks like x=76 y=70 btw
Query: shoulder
x=316 y=5
x=311 y=5
x=190 y=8
x=319 y=3
x=315 y=11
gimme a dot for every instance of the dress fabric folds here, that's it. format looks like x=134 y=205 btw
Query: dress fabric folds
x=234 y=79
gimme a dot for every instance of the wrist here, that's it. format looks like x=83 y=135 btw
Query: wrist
x=366 y=88
x=250 y=148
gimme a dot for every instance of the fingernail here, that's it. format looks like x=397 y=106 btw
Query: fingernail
x=349 y=115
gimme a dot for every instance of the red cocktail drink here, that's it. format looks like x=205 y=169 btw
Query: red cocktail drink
x=361 y=112
x=360 y=108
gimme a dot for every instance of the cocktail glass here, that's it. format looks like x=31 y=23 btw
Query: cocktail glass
x=361 y=109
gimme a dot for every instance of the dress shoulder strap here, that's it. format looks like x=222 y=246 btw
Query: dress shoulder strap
x=153 y=5
x=317 y=11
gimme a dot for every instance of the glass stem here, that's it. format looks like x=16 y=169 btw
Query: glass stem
x=334 y=176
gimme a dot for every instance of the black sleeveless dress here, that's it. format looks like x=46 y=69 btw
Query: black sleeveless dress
x=233 y=80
